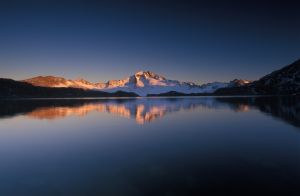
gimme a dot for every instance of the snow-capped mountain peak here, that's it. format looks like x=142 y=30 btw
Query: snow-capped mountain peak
x=149 y=74
x=146 y=78
x=147 y=82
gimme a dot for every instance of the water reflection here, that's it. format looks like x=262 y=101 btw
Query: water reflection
x=144 y=110
x=187 y=146
x=284 y=108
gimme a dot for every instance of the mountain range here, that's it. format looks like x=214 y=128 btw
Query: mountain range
x=142 y=83
x=285 y=81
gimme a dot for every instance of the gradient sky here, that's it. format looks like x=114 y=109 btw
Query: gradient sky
x=199 y=41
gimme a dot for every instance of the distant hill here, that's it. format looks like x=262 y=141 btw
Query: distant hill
x=15 y=89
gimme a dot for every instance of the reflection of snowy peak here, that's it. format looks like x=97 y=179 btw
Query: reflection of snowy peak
x=141 y=83
x=142 y=110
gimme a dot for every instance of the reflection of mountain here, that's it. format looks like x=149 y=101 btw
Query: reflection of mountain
x=140 y=114
x=142 y=110
x=149 y=109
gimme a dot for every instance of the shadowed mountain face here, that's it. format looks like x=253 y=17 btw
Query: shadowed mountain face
x=285 y=81
x=145 y=110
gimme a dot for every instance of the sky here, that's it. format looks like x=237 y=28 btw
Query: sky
x=198 y=41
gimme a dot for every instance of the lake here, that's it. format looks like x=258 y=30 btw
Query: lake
x=150 y=146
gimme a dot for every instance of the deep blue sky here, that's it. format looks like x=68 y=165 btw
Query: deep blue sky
x=200 y=41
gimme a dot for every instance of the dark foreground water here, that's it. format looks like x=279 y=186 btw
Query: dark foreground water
x=156 y=146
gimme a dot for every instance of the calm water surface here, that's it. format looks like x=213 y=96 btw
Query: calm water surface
x=154 y=146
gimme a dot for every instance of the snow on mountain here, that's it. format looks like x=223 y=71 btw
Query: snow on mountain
x=141 y=83
x=147 y=82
